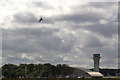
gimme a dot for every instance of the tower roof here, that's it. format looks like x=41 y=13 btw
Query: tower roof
x=96 y=55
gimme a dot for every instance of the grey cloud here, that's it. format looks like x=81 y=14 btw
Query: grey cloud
x=54 y=59
x=16 y=60
x=86 y=16
x=79 y=15
x=44 y=5
x=45 y=44
x=77 y=18
x=109 y=63
x=92 y=41
x=32 y=41
x=43 y=41
x=29 y=18
x=105 y=30
x=26 y=17
x=102 y=4
x=21 y=40
x=111 y=51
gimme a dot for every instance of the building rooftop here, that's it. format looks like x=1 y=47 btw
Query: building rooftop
x=96 y=74
x=79 y=71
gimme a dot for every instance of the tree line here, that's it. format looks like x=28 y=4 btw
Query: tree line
x=36 y=70
x=45 y=70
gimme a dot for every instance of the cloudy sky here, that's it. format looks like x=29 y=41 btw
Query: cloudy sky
x=70 y=33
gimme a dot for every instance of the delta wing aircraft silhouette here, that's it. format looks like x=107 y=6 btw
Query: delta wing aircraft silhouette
x=40 y=19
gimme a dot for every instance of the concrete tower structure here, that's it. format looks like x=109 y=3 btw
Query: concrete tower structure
x=96 y=58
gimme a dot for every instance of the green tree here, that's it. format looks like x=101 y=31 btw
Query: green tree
x=5 y=73
x=38 y=67
x=34 y=73
x=59 y=69
x=53 y=71
x=34 y=70
x=44 y=73
x=13 y=74
x=65 y=69
x=20 y=72
x=46 y=70
x=30 y=69
x=8 y=70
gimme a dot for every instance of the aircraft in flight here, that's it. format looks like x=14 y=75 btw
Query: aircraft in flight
x=40 y=19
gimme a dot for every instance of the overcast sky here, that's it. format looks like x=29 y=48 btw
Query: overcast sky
x=70 y=33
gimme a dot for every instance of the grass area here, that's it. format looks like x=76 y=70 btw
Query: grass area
x=64 y=79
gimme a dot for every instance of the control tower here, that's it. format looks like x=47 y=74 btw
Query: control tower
x=96 y=58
